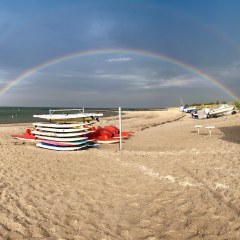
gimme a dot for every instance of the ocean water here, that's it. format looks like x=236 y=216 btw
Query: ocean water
x=25 y=114
x=10 y=115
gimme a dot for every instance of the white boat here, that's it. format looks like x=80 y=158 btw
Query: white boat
x=214 y=112
x=223 y=109
x=187 y=109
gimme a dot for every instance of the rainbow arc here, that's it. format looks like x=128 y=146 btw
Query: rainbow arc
x=93 y=52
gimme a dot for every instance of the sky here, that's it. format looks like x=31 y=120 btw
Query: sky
x=151 y=53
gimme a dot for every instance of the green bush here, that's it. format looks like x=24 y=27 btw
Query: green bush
x=237 y=105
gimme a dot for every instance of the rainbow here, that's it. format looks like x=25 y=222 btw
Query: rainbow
x=93 y=52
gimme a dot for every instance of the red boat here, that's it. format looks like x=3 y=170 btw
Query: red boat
x=26 y=136
x=116 y=132
x=109 y=134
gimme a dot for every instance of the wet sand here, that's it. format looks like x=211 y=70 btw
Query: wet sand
x=167 y=183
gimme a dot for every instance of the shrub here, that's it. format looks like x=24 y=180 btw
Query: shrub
x=237 y=105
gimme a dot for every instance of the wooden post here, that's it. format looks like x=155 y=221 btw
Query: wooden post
x=120 y=128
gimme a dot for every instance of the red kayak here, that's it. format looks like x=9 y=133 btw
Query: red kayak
x=112 y=131
x=116 y=131
x=109 y=134
x=26 y=136
x=102 y=135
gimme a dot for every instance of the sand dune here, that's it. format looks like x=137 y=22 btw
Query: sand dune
x=167 y=183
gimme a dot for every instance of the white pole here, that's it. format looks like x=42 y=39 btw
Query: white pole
x=120 y=129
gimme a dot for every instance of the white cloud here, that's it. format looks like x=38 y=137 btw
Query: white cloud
x=180 y=81
x=121 y=59
x=135 y=80
x=153 y=81
x=230 y=71
x=4 y=76
x=127 y=77
x=177 y=82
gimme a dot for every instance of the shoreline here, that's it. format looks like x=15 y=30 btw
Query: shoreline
x=12 y=115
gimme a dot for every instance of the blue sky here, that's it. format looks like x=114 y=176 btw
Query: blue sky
x=203 y=34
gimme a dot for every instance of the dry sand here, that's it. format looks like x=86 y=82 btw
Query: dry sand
x=167 y=183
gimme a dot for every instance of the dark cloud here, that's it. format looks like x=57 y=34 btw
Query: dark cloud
x=34 y=32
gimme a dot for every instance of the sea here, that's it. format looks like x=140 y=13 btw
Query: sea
x=9 y=115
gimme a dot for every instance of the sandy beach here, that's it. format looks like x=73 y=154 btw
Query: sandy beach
x=169 y=182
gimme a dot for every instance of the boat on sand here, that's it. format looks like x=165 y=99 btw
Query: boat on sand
x=214 y=112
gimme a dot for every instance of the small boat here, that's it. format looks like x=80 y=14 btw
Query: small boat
x=27 y=136
x=214 y=112
x=108 y=134
x=222 y=109
x=188 y=109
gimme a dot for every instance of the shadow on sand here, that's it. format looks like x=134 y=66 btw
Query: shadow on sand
x=231 y=134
